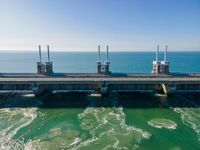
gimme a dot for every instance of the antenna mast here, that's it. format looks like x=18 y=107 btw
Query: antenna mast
x=107 y=53
x=157 y=52
x=40 y=55
x=165 y=58
x=48 y=53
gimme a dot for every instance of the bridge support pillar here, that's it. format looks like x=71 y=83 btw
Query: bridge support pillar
x=39 y=91
x=102 y=88
x=167 y=88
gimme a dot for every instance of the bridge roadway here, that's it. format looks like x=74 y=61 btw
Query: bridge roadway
x=99 y=83
x=108 y=79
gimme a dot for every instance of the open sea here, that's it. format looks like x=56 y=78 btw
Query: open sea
x=80 y=121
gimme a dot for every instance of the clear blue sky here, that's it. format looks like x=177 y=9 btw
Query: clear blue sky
x=83 y=24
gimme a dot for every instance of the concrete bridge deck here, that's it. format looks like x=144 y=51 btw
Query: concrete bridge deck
x=100 y=83
x=49 y=80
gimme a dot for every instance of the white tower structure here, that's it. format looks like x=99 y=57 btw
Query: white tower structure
x=48 y=64
x=40 y=67
x=156 y=63
x=107 y=62
x=99 y=60
x=164 y=69
x=103 y=68
x=44 y=67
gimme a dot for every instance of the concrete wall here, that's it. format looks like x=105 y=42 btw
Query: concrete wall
x=97 y=86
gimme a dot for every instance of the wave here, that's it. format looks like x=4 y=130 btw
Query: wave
x=162 y=123
x=191 y=118
x=64 y=140
x=12 y=120
x=108 y=129
x=101 y=125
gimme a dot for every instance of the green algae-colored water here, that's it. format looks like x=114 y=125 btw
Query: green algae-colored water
x=118 y=121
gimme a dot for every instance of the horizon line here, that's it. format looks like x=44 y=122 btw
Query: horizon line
x=53 y=50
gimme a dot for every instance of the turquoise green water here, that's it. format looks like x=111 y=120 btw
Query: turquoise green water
x=146 y=121
x=82 y=121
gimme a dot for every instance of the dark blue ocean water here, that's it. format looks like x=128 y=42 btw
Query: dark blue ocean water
x=85 y=62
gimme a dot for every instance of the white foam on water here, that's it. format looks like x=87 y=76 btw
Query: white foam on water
x=108 y=147
x=109 y=123
x=106 y=126
x=39 y=145
x=29 y=145
x=55 y=132
x=191 y=118
x=116 y=127
x=116 y=144
x=162 y=123
x=29 y=95
x=14 y=119
x=60 y=137
x=160 y=95
x=84 y=143
x=95 y=95
x=17 y=118
x=76 y=141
